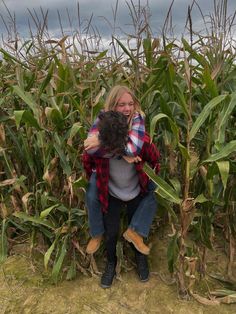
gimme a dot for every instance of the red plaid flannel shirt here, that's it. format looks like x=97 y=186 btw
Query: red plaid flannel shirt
x=149 y=154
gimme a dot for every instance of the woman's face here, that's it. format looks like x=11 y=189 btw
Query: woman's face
x=125 y=105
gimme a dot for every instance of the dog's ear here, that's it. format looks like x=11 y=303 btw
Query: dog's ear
x=101 y=115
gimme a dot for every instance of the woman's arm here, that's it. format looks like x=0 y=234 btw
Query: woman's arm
x=135 y=136
x=151 y=155
x=88 y=164
x=92 y=143
x=132 y=160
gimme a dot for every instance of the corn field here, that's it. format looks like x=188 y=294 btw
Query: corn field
x=51 y=91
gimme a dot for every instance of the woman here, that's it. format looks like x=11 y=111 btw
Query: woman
x=120 y=183
x=120 y=99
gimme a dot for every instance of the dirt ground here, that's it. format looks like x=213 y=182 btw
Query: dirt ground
x=23 y=289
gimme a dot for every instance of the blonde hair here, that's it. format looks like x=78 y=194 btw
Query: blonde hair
x=116 y=93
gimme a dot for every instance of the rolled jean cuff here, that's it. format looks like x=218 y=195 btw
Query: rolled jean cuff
x=94 y=235
x=141 y=233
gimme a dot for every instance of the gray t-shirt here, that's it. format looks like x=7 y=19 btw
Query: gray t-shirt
x=123 y=180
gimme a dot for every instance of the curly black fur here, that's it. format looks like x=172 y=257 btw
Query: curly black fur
x=113 y=131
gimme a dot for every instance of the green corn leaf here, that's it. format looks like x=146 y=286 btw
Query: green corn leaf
x=224 y=153
x=101 y=55
x=3 y=248
x=35 y=220
x=172 y=252
x=200 y=59
x=62 y=77
x=80 y=183
x=19 y=225
x=166 y=190
x=184 y=151
x=224 y=292
x=158 y=75
x=51 y=97
x=57 y=266
x=204 y=114
x=147 y=47
x=166 y=205
x=47 y=233
x=77 y=128
x=19 y=76
x=49 y=253
x=181 y=99
x=28 y=153
x=8 y=56
x=148 y=98
x=225 y=118
x=224 y=172
x=27 y=98
x=126 y=51
x=203 y=228
x=56 y=117
x=47 y=79
x=200 y=199
x=157 y=118
x=25 y=116
x=176 y=184
x=47 y=211
x=166 y=107
x=64 y=163
x=71 y=274
x=210 y=83
x=227 y=283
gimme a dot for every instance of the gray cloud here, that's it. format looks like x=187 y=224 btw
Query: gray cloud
x=102 y=13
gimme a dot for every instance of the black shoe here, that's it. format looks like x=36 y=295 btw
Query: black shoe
x=108 y=275
x=142 y=266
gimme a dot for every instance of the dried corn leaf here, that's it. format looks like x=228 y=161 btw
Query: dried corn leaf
x=204 y=300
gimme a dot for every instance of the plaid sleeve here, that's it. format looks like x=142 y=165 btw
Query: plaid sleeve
x=102 y=171
x=154 y=158
x=94 y=129
x=88 y=164
x=151 y=154
x=136 y=136
x=96 y=151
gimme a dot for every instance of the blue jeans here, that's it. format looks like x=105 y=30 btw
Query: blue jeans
x=141 y=220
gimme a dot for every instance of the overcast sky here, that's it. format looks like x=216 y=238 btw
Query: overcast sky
x=102 y=11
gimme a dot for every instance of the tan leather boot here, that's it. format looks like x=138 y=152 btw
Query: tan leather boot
x=133 y=237
x=94 y=244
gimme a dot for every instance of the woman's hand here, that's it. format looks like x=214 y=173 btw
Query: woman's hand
x=131 y=160
x=91 y=142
